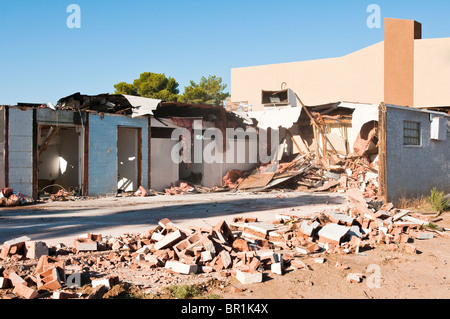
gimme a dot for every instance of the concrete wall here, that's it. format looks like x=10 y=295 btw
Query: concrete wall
x=414 y=170
x=432 y=72
x=403 y=70
x=21 y=150
x=357 y=77
x=103 y=164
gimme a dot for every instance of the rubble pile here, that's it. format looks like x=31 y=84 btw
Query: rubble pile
x=244 y=249
x=305 y=173
x=10 y=198
x=181 y=189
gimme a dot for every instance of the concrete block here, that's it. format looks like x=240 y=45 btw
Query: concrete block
x=85 y=244
x=333 y=233
x=5 y=283
x=277 y=268
x=226 y=259
x=208 y=244
x=107 y=282
x=307 y=228
x=181 y=268
x=16 y=279
x=25 y=292
x=354 y=278
x=35 y=249
x=49 y=279
x=207 y=256
x=249 y=277
x=13 y=246
x=169 y=240
x=423 y=235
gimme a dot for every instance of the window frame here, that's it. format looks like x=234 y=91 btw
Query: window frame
x=412 y=136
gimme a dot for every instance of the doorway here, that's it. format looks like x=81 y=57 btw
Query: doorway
x=129 y=156
x=60 y=158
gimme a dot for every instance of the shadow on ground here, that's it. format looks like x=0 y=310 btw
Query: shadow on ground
x=40 y=223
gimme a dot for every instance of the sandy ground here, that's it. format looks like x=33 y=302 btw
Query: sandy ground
x=387 y=275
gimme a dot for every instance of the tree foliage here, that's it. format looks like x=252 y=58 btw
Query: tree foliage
x=207 y=91
x=158 y=86
x=151 y=85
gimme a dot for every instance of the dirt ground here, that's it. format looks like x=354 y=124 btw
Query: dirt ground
x=387 y=274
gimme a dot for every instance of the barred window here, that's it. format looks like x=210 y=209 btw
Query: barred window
x=411 y=133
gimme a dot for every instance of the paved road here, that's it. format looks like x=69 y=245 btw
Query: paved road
x=61 y=222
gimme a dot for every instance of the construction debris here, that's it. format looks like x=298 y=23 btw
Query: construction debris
x=306 y=173
x=10 y=198
x=244 y=249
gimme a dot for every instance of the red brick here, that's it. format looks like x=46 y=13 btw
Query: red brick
x=411 y=249
x=25 y=292
x=16 y=279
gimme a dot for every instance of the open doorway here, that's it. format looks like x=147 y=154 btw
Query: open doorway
x=60 y=159
x=129 y=156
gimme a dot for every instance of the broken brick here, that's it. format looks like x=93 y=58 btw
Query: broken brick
x=25 y=292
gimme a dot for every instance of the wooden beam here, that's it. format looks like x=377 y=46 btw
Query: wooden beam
x=315 y=122
x=49 y=138
x=382 y=171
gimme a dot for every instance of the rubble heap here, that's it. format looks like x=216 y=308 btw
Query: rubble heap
x=244 y=248
x=305 y=173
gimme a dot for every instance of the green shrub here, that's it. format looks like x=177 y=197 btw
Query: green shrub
x=184 y=292
x=438 y=201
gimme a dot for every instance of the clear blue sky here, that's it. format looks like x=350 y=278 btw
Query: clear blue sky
x=42 y=60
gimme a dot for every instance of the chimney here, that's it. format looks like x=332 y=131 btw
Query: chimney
x=399 y=36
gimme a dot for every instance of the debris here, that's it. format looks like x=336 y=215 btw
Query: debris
x=25 y=292
x=181 y=267
x=354 y=278
x=333 y=234
x=249 y=276
x=181 y=189
x=142 y=192
x=246 y=249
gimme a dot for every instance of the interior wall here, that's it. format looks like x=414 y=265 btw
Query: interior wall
x=69 y=164
x=128 y=157
x=164 y=171
x=60 y=162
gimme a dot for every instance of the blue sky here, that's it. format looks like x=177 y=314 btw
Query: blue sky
x=42 y=60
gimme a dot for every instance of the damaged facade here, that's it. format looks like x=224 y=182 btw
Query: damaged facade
x=103 y=145
x=385 y=106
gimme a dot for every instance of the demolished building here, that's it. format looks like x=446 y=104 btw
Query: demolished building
x=102 y=144
x=385 y=104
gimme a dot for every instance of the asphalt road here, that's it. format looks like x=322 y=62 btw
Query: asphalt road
x=61 y=222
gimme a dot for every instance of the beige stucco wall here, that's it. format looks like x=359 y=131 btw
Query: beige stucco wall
x=432 y=72
x=357 y=77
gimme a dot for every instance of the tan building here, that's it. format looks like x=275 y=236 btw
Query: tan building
x=402 y=70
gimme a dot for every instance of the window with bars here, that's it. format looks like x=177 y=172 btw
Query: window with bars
x=411 y=133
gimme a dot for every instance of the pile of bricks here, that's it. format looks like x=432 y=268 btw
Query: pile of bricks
x=181 y=189
x=244 y=248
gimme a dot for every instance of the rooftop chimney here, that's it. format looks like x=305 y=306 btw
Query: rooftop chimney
x=399 y=36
